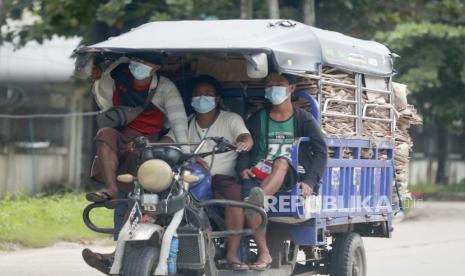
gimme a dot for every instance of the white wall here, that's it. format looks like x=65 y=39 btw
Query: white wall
x=424 y=171
x=16 y=172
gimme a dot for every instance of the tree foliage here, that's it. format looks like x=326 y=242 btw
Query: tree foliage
x=433 y=65
x=96 y=20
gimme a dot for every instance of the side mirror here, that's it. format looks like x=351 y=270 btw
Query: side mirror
x=83 y=66
x=257 y=65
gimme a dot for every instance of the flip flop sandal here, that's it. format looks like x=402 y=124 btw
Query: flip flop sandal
x=98 y=196
x=236 y=266
x=260 y=267
x=97 y=261
x=256 y=197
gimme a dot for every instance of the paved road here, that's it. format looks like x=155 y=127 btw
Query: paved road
x=431 y=243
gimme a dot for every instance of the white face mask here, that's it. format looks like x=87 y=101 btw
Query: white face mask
x=139 y=70
x=203 y=104
x=276 y=94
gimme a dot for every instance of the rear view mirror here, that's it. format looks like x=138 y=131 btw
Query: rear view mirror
x=257 y=65
x=83 y=65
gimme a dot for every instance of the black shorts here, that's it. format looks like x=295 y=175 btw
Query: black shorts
x=226 y=187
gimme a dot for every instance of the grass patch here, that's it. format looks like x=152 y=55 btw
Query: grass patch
x=437 y=188
x=44 y=220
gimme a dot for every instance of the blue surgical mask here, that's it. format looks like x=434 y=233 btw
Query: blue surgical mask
x=139 y=70
x=276 y=94
x=203 y=104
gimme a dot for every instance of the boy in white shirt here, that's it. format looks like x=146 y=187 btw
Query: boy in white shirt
x=210 y=121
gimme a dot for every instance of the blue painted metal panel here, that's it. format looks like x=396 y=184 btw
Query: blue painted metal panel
x=305 y=234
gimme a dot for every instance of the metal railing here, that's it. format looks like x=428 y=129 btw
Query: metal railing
x=360 y=109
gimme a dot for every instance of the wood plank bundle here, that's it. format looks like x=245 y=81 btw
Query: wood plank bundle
x=335 y=125
x=378 y=107
x=406 y=116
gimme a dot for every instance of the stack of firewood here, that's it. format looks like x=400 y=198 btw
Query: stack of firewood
x=333 y=126
x=406 y=116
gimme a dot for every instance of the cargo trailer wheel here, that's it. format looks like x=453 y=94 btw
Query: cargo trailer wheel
x=348 y=256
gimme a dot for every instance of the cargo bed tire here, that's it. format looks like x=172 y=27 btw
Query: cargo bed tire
x=348 y=256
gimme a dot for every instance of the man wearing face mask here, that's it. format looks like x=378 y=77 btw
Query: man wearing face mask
x=129 y=82
x=265 y=169
x=210 y=121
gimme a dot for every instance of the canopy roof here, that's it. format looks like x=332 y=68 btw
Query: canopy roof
x=293 y=46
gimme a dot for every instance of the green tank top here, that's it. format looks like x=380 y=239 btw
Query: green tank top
x=279 y=139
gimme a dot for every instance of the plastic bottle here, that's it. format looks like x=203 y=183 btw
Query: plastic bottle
x=173 y=256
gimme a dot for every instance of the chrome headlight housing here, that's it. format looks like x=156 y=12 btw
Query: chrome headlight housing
x=155 y=175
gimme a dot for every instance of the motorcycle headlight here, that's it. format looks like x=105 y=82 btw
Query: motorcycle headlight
x=155 y=175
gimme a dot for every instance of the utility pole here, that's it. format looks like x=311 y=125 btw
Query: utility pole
x=309 y=12
x=273 y=9
x=246 y=9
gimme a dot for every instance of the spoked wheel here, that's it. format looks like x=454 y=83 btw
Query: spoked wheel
x=348 y=256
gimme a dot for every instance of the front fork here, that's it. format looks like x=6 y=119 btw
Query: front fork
x=142 y=232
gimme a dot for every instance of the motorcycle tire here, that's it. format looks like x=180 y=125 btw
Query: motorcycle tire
x=140 y=260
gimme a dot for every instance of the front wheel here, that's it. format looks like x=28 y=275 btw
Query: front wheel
x=348 y=256
x=140 y=260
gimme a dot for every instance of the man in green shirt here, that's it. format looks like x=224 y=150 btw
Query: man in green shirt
x=266 y=168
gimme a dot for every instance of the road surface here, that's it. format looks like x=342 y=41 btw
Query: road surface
x=431 y=242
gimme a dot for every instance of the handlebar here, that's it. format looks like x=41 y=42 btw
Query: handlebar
x=223 y=145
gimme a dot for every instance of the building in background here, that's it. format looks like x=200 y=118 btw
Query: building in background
x=43 y=152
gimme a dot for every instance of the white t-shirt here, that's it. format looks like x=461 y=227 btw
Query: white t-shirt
x=228 y=125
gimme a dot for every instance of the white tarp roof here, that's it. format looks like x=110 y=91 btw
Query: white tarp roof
x=294 y=46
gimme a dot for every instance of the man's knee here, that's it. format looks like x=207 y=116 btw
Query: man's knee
x=107 y=137
x=105 y=133
x=281 y=164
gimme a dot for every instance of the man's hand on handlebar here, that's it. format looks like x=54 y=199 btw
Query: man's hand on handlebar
x=243 y=147
x=244 y=143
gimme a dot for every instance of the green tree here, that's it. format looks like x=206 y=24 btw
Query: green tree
x=96 y=20
x=433 y=65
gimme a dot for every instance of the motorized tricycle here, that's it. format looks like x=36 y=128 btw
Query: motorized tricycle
x=171 y=199
x=320 y=234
